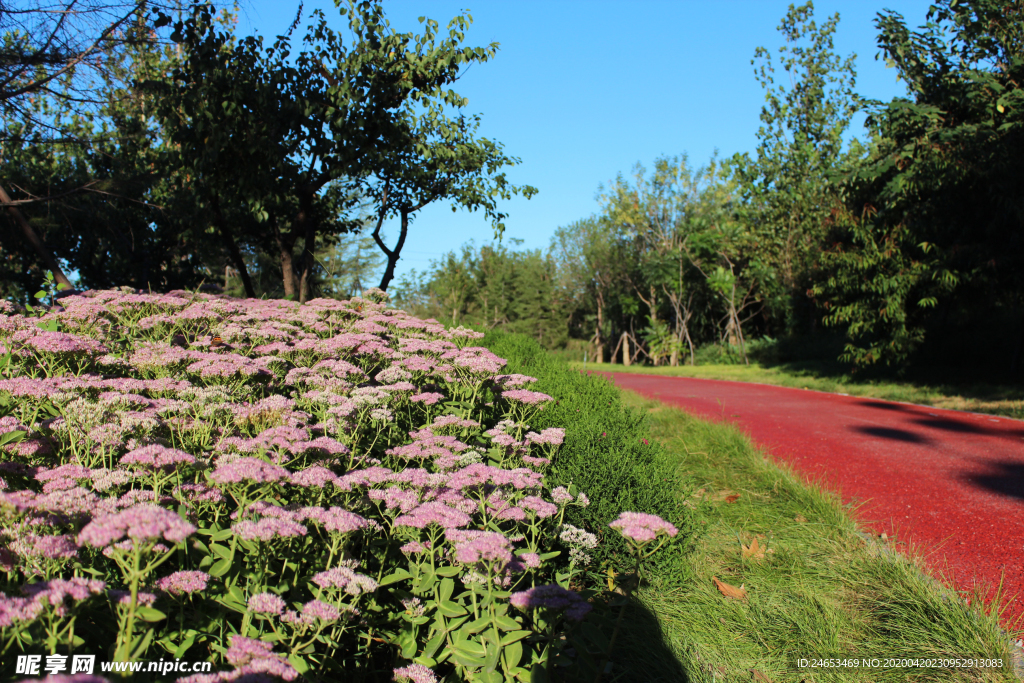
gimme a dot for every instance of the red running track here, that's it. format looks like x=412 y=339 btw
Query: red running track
x=948 y=483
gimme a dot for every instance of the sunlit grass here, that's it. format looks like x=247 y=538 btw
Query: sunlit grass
x=822 y=590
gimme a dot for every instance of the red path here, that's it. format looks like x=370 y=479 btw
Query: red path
x=949 y=483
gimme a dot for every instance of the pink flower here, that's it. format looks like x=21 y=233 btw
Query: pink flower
x=266 y=603
x=157 y=456
x=144 y=521
x=335 y=519
x=525 y=396
x=344 y=577
x=415 y=673
x=433 y=513
x=642 y=527
x=51 y=547
x=183 y=582
x=268 y=529
x=314 y=476
x=552 y=597
x=258 y=657
x=427 y=397
x=248 y=469
x=538 y=506
x=480 y=546
x=321 y=611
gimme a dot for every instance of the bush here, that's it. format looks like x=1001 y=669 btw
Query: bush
x=607 y=450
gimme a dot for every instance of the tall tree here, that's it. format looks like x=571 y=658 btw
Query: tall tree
x=934 y=213
x=369 y=116
x=800 y=142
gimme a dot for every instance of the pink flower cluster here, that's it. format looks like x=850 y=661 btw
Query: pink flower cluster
x=642 y=527
x=142 y=522
x=299 y=408
x=552 y=597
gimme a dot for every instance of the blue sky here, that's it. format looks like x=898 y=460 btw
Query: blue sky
x=582 y=90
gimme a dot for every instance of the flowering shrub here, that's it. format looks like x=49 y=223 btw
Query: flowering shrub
x=293 y=491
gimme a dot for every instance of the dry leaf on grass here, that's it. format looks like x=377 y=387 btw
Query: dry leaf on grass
x=733 y=498
x=759 y=677
x=730 y=591
x=754 y=551
x=801 y=519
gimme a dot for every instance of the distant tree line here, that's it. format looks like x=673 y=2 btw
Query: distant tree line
x=914 y=232
x=147 y=145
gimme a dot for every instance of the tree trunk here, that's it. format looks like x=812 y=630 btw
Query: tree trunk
x=285 y=245
x=600 y=324
x=394 y=254
x=232 y=247
x=304 y=221
x=627 y=360
x=33 y=239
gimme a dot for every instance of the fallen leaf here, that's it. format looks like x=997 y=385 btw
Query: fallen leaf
x=721 y=669
x=753 y=551
x=730 y=591
x=759 y=677
x=801 y=519
x=733 y=498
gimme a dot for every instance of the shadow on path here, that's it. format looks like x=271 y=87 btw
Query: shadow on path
x=891 y=433
x=1007 y=479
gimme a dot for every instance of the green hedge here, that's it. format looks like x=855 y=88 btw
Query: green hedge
x=604 y=452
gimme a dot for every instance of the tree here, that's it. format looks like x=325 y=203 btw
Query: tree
x=335 y=115
x=787 y=188
x=933 y=214
x=59 y=68
x=589 y=267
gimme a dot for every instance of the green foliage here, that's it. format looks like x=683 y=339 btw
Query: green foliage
x=491 y=287
x=607 y=451
x=938 y=195
x=786 y=188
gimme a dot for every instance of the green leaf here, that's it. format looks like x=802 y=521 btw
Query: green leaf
x=506 y=623
x=513 y=653
x=445 y=590
x=149 y=613
x=15 y=436
x=514 y=637
x=190 y=638
x=451 y=609
x=298 y=663
x=220 y=568
x=222 y=552
x=433 y=645
x=447 y=571
x=475 y=627
x=395 y=577
x=493 y=654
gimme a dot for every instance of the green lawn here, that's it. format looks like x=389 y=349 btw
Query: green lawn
x=816 y=588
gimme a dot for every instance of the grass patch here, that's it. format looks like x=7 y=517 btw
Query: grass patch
x=964 y=395
x=821 y=590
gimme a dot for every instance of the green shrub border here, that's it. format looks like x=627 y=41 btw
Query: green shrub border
x=608 y=453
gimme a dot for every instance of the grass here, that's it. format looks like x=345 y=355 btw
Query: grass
x=962 y=395
x=821 y=590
